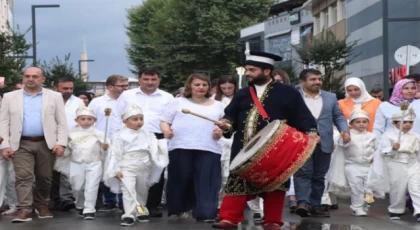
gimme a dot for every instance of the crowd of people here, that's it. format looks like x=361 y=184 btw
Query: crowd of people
x=135 y=149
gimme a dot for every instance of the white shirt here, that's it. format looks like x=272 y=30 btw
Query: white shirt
x=86 y=145
x=314 y=103
x=191 y=132
x=99 y=105
x=260 y=90
x=361 y=148
x=383 y=118
x=152 y=105
x=72 y=104
x=409 y=146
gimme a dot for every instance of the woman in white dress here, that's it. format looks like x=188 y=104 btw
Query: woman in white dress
x=225 y=89
x=404 y=91
x=194 y=171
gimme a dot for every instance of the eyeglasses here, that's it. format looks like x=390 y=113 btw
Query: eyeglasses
x=122 y=86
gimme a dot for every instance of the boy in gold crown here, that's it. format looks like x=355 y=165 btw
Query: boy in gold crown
x=137 y=161
x=86 y=148
x=397 y=167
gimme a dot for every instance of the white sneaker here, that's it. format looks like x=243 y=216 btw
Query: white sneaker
x=9 y=212
x=183 y=215
x=359 y=213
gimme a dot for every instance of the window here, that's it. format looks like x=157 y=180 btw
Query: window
x=317 y=24
x=325 y=25
x=342 y=5
x=334 y=14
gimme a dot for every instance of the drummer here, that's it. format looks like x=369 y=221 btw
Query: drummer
x=242 y=118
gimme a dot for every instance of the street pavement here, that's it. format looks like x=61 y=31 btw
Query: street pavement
x=341 y=220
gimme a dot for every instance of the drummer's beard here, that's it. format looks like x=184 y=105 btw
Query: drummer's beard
x=260 y=79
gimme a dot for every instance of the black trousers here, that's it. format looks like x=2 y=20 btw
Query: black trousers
x=156 y=191
x=155 y=194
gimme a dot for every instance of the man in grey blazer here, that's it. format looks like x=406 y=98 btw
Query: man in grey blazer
x=309 y=179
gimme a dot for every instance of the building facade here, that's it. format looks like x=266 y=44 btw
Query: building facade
x=6 y=15
x=288 y=24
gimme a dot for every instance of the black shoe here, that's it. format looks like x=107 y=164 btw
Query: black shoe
x=108 y=208
x=319 y=212
x=156 y=214
x=302 y=210
x=418 y=217
x=394 y=216
x=127 y=222
x=257 y=218
x=80 y=212
x=334 y=207
x=143 y=219
x=89 y=216
x=67 y=205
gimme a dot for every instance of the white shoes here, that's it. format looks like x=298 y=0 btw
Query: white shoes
x=359 y=213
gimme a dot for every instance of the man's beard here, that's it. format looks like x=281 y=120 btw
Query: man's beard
x=261 y=79
x=66 y=96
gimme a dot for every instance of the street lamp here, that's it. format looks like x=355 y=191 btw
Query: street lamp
x=34 y=28
x=80 y=65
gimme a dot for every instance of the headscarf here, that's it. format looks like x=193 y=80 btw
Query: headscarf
x=397 y=94
x=364 y=95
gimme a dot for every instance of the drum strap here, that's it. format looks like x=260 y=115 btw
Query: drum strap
x=258 y=104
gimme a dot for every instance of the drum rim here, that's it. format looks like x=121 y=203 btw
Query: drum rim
x=287 y=173
x=246 y=162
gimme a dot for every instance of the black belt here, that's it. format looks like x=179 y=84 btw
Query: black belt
x=159 y=136
x=33 y=139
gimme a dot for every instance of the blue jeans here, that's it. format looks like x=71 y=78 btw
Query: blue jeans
x=309 y=179
x=110 y=198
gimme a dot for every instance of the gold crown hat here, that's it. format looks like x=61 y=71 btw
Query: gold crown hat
x=358 y=113
x=410 y=115
x=131 y=111
x=85 y=111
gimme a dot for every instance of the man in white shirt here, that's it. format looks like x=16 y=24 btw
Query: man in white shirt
x=153 y=102
x=115 y=85
x=61 y=191
x=309 y=179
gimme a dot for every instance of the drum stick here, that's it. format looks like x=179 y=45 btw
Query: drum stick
x=187 y=111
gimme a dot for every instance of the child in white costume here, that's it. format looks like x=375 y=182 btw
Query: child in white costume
x=7 y=186
x=396 y=166
x=136 y=160
x=86 y=149
x=354 y=162
x=329 y=199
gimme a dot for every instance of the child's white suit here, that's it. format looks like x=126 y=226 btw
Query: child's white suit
x=141 y=159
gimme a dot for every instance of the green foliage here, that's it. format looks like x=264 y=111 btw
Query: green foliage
x=13 y=47
x=332 y=54
x=58 y=68
x=185 y=36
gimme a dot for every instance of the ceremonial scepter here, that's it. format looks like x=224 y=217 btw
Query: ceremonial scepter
x=403 y=107
x=107 y=114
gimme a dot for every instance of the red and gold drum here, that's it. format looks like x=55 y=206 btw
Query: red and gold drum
x=273 y=155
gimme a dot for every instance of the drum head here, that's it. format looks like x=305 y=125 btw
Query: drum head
x=254 y=145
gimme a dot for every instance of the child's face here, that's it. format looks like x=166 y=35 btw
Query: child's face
x=85 y=121
x=360 y=124
x=406 y=126
x=134 y=122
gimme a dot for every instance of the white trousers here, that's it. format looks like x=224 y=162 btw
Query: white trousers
x=291 y=191
x=256 y=205
x=356 y=175
x=403 y=176
x=85 y=179
x=225 y=175
x=7 y=183
x=327 y=197
x=135 y=182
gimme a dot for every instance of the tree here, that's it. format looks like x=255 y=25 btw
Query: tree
x=57 y=68
x=184 y=36
x=331 y=54
x=13 y=48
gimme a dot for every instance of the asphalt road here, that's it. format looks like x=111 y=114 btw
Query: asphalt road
x=341 y=220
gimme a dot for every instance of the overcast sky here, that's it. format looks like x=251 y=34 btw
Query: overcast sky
x=61 y=30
